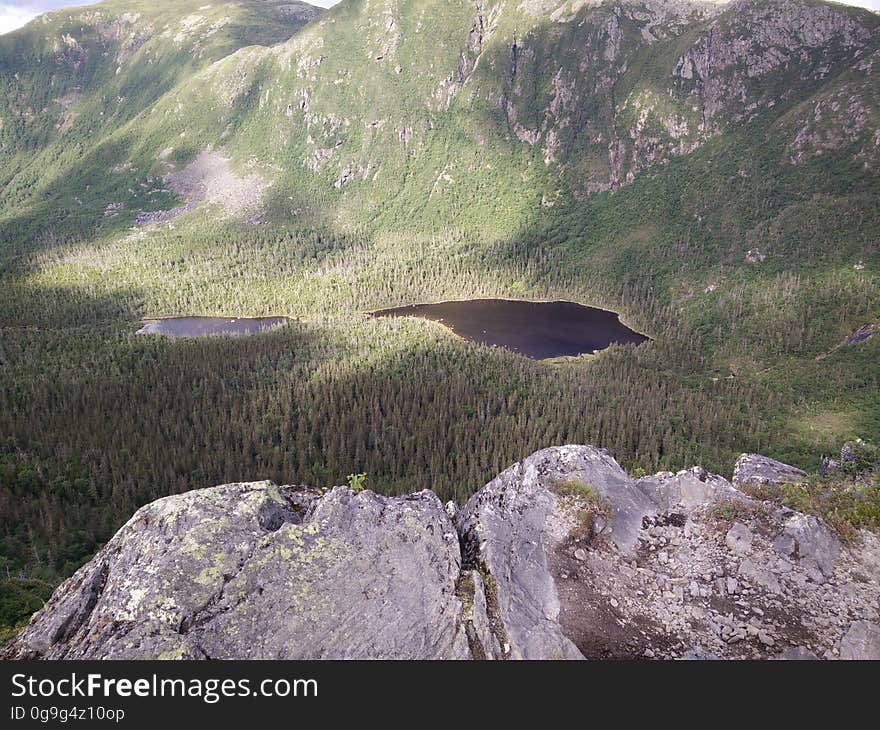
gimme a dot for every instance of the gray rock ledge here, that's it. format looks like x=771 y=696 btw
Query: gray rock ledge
x=561 y=556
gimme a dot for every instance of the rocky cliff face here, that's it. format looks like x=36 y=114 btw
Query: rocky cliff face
x=660 y=79
x=561 y=556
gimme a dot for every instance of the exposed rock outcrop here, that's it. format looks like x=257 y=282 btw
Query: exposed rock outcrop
x=726 y=72
x=756 y=471
x=688 y=489
x=563 y=555
x=862 y=641
x=512 y=527
x=255 y=571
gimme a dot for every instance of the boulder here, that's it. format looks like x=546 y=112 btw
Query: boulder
x=255 y=571
x=798 y=653
x=739 y=539
x=759 y=576
x=861 y=641
x=548 y=471
x=754 y=470
x=508 y=529
x=688 y=489
x=805 y=538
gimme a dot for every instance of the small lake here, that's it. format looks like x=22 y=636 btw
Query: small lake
x=538 y=330
x=205 y=326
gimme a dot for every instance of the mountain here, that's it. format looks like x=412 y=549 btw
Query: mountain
x=708 y=171
x=563 y=556
x=434 y=108
x=72 y=79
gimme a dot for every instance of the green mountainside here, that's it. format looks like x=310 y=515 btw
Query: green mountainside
x=708 y=170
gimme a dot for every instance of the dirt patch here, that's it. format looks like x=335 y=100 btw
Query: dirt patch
x=590 y=613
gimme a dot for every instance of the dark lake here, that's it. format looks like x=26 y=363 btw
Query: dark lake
x=203 y=326
x=538 y=330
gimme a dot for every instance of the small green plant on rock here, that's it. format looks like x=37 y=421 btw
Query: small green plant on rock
x=356 y=482
x=587 y=506
x=575 y=487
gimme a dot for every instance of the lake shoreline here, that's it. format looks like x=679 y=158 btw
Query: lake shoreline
x=536 y=329
x=194 y=326
x=373 y=312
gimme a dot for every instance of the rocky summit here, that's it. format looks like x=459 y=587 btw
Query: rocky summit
x=562 y=556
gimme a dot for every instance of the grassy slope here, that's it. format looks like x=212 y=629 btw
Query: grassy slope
x=71 y=80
